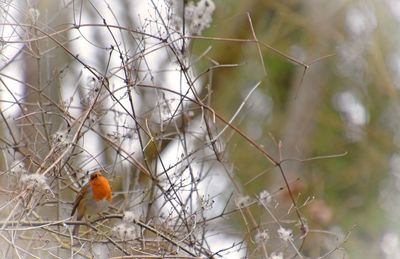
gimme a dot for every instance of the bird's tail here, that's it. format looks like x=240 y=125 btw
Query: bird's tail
x=75 y=231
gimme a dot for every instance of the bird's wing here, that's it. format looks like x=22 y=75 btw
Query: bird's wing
x=79 y=198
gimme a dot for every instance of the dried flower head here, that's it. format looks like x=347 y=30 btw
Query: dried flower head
x=34 y=181
x=18 y=167
x=199 y=15
x=243 y=201
x=60 y=138
x=261 y=236
x=34 y=15
x=129 y=217
x=265 y=197
x=285 y=234
x=276 y=255
x=126 y=232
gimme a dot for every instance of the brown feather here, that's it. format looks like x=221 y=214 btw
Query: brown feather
x=79 y=198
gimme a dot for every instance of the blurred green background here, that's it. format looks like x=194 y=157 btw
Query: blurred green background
x=347 y=102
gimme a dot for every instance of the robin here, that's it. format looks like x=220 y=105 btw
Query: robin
x=93 y=198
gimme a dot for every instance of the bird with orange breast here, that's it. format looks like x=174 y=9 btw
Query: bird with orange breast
x=93 y=198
